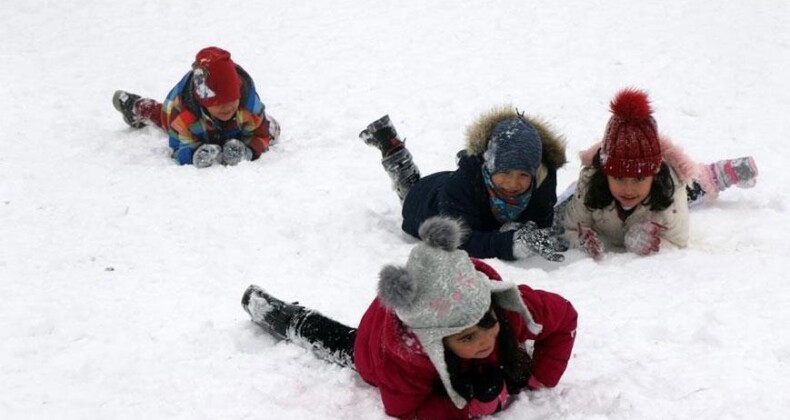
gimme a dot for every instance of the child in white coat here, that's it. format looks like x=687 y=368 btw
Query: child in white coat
x=635 y=187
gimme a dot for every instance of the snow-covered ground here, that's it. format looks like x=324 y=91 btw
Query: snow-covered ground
x=121 y=273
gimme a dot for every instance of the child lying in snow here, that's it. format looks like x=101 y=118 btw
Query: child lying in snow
x=636 y=186
x=504 y=189
x=445 y=337
x=213 y=115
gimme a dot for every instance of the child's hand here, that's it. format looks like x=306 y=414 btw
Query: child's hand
x=590 y=243
x=548 y=242
x=643 y=238
x=487 y=384
x=477 y=408
x=485 y=390
x=206 y=155
x=234 y=151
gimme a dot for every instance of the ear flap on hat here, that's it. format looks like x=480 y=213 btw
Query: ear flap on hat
x=507 y=296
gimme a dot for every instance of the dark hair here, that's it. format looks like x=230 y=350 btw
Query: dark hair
x=598 y=195
x=515 y=361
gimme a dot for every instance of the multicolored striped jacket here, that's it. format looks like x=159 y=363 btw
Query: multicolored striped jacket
x=189 y=125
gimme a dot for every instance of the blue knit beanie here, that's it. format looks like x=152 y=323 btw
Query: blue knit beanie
x=514 y=145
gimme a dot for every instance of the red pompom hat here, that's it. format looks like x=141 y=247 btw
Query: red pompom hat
x=630 y=146
x=214 y=77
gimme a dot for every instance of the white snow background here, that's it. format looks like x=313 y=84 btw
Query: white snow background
x=121 y=272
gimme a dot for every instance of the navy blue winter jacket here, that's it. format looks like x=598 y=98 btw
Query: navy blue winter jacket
x=462 y=194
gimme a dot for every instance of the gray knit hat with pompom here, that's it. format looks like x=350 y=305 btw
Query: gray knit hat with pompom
x=440 y=293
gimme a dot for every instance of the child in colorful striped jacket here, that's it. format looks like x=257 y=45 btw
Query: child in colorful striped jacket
x=212 y=116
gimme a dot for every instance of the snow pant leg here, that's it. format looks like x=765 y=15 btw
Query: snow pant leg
x=402 y=171
x=150 y=111
x=327 y=338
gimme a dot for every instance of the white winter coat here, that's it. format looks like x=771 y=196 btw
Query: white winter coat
x=607 y=224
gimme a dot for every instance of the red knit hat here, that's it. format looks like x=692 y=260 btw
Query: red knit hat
x=630 y=144
x=215 y=79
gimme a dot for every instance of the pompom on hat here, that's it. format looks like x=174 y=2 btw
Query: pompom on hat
x=440 y=293
x=630 y=146
x=214 y=77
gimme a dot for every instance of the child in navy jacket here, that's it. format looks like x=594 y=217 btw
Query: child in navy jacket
x=504 y=189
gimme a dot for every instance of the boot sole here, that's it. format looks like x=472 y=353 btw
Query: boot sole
x=116 y=103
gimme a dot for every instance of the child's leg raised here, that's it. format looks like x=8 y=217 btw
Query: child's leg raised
x=718 y=176
x=395 y=158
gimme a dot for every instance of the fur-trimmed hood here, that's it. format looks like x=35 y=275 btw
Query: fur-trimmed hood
x=479 y=133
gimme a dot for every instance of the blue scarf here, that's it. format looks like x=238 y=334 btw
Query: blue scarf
x=505 y=209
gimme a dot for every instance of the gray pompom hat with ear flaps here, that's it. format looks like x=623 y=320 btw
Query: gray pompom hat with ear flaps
x=440 y=293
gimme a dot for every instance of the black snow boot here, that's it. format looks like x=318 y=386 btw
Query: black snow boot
x=402 y=171
x=381 y=134
x=124 y=103
x=275 y=316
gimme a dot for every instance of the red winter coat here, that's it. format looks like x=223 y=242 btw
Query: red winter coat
x=387 y=356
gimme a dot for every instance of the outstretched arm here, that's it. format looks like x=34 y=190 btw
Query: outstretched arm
x=554 y=344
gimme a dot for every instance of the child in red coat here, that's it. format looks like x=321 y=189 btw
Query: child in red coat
x=212 y=116
x=444 y=338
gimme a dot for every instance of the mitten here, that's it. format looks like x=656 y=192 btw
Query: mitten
x=490 y=393
x=206 y=155
x=590 y=243
x=547 y=242
x=234 y=151
x=488 y=383
x=643 y=238
x=462 y=384
x=477 y=408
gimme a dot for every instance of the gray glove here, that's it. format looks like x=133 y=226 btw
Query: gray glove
x=206 y=155
x=234 y=151
x=529 y=240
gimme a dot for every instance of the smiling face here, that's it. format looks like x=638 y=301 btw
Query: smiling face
x=474 y=342
x=512 y=183
x=629 y=192
x=224 y=111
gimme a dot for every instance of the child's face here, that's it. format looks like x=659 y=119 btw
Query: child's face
x=512 y=183
x=629 y=192
x=224 y=111
x=473 y=343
